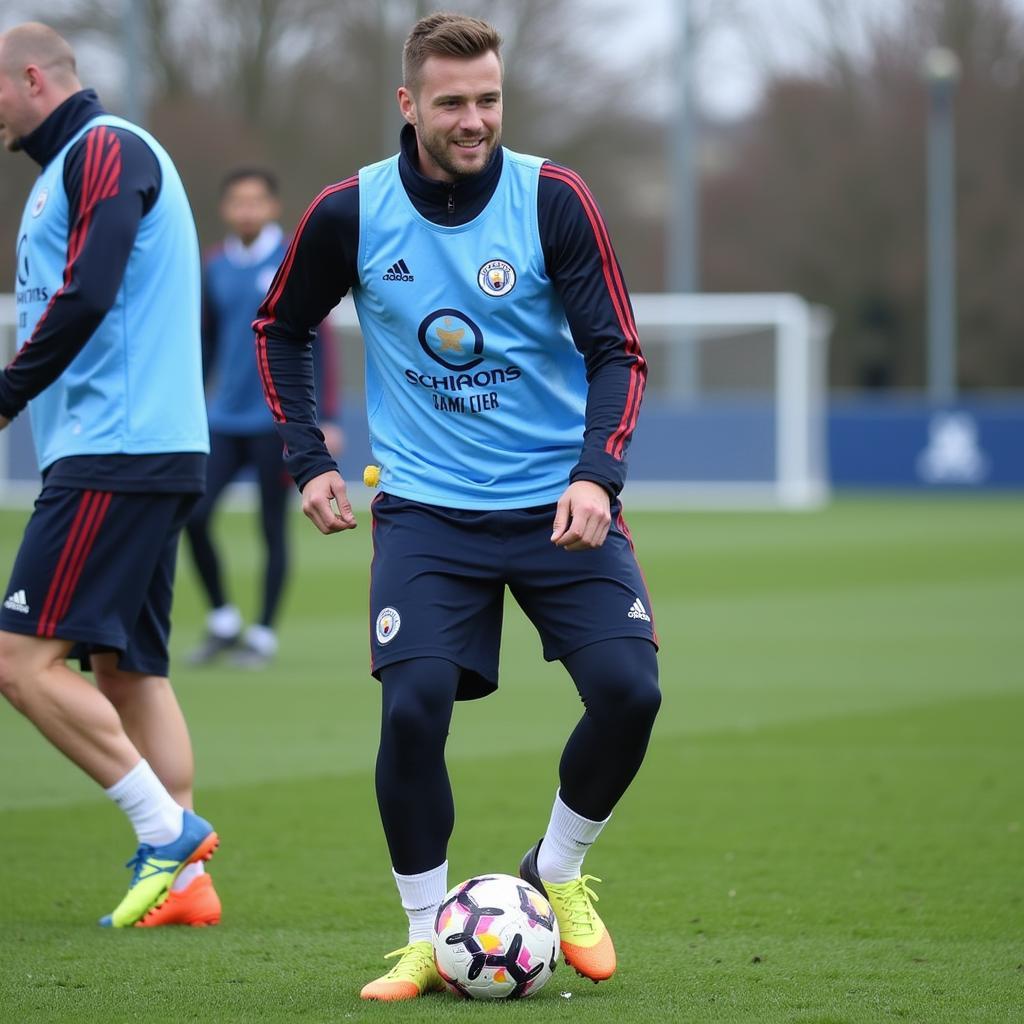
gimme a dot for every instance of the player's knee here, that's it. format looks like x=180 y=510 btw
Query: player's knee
x=114 y=685
x=417 y=705
x=622 y=685
x=631 y=702
x=644 y=702
x=412 y=723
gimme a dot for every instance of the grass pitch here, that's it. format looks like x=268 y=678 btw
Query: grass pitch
x=828 y=827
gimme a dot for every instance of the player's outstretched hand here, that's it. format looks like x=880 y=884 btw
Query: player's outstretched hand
x=582 y=517
x=325 y=501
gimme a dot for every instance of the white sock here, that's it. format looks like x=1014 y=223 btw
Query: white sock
x=262 y=639
x=154 y=815
x=569 y=836
x=224 y=622
x=189 y=873
x=421 y=894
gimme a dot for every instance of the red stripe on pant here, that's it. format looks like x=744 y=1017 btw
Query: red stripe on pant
x=88 y=518
x=65 y=557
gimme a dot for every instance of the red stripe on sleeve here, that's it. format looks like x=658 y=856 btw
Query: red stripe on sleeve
x=273 y=399
x=101 y=179
x=616 y=443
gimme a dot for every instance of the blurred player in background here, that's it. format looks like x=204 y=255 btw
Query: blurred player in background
x=109 y=365
x=504 y=379
x=236 y=276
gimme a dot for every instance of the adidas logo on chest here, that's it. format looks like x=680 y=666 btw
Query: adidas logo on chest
x=398 y=272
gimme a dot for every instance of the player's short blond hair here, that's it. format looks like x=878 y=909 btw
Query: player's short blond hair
x=36 y=43
x=445 y=34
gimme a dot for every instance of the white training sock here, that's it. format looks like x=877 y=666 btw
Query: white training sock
x=154 y=815
x=224 y=622
x=421 y=895
x=189 y=873
x=569 y=836
x=262 y=639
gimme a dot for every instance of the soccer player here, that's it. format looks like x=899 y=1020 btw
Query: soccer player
x=109 y=366
x=504 y=378
x=236 y=276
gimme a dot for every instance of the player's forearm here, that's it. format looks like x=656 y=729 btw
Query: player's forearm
x=613 y=403
x=286 y=370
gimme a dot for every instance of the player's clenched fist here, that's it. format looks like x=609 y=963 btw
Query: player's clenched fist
x=582 y=517
x=325 y=501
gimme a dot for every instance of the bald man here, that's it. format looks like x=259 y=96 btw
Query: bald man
x=109 y=366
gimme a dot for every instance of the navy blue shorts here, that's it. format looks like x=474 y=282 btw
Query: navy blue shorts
x=97 y=568
x=438 y=578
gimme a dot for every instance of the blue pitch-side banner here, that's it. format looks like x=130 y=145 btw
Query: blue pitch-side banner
x=877 y=441
x=908 y=443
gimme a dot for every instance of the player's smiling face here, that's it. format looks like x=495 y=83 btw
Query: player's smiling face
x=456 y=112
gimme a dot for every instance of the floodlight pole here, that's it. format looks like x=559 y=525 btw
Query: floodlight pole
x=133 y=100
x=942 y=70
x=683 y=226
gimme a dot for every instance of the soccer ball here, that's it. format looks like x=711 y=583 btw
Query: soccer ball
x=495 y=937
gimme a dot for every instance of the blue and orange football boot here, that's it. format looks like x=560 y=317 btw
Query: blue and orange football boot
x=414 y=975
x=154 y=869
x=197 y=905
x=586 y=944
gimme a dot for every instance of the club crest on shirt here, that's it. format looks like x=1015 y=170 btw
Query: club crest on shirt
x=496 y=277
x=388 y=624
x=41 y=196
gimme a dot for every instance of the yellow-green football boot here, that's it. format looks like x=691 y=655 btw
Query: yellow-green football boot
x=586 y=944
x=414 y=975
x=156 y=867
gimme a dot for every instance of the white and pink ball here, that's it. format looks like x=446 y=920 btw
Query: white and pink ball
x=495 y=937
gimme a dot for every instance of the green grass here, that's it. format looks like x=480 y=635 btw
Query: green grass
x=829 y=827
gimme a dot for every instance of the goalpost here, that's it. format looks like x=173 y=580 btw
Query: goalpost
x=737 y=396
x=734 y=414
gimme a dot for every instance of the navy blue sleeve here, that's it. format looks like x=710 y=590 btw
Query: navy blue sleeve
x=112 y=179
x=321 y=265
x=585 y=272
x=326 y=375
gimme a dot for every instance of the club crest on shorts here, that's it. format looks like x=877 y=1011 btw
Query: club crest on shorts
x=388 y=624
x=496 y=277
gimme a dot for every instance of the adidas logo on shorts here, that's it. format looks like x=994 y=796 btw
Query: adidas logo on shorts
x=638 y=611
x=17 y=602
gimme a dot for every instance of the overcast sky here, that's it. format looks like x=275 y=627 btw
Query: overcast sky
x=743 y=36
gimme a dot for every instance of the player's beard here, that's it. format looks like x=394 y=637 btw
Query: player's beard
x=437 y=146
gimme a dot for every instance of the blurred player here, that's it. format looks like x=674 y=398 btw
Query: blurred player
x=109 y=366
x=504 y=379
x=236 y=277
